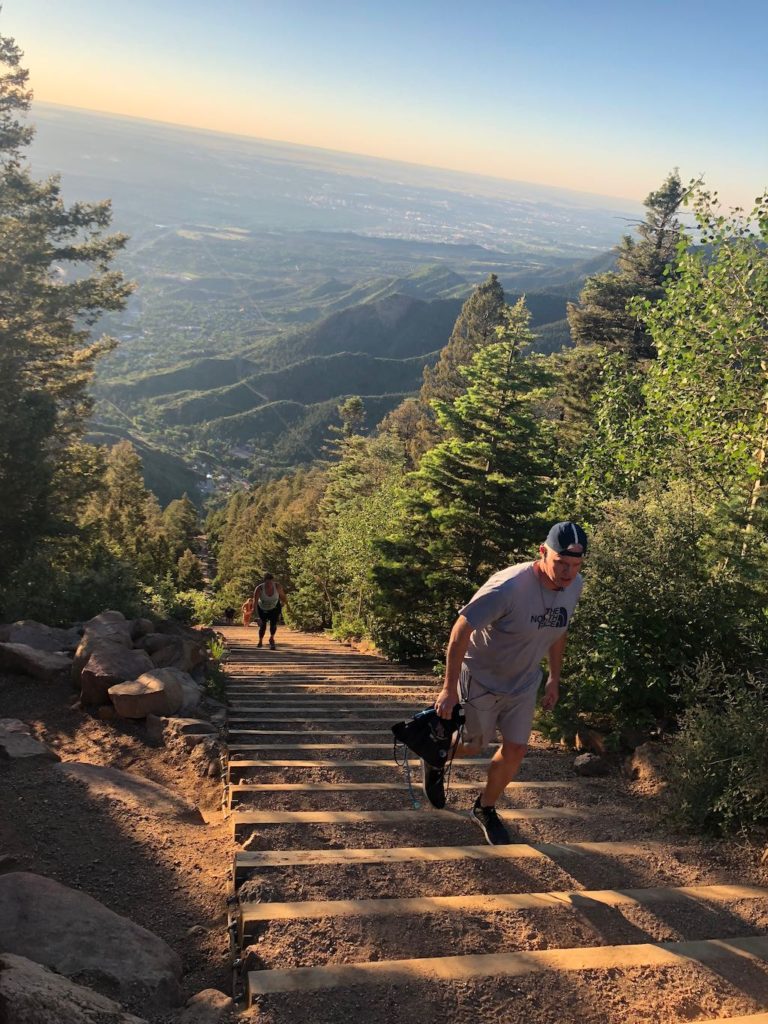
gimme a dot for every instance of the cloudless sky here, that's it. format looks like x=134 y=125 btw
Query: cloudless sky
x=605 y=96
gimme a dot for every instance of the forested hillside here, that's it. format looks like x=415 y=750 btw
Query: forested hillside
x=650 y=430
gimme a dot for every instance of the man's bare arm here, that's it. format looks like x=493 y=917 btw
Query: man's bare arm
x=555 y=659
x=457 y=648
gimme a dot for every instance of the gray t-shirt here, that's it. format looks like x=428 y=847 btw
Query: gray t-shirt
x=515 y=621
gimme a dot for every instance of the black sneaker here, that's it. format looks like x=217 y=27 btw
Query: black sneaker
x=491 y=824
x=433 y=783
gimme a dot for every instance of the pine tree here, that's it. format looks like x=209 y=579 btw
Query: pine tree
x=475 y=328
x=54 y=283
x=476 y=503
x=181 y=524
x=602 y=316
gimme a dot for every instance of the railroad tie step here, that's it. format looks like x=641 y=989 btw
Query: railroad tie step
x=451 y=969
x=258 y=859
x=254 y=913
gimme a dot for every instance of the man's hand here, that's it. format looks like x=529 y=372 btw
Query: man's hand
x=446 y=702
x=551 y=694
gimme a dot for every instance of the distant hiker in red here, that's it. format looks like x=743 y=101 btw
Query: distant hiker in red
x=269 y=600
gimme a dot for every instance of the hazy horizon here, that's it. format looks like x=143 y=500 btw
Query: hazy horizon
x=566 y=96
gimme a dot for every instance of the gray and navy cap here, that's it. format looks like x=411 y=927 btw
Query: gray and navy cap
x=564 y=536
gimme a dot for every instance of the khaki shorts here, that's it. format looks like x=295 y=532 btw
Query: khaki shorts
x=485 y=712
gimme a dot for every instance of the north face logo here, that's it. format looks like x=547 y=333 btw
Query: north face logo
x=553 y=618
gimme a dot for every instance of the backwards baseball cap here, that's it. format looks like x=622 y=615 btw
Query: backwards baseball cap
x=564 y=536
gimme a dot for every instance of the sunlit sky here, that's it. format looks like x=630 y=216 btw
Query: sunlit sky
x=604 y=96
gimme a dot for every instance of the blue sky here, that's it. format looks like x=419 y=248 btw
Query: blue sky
x=599 y=96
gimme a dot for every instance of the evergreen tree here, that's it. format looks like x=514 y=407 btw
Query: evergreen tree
x=414 y=421
x=476 y=502
x=189 y=571
x=181 y=524
x=54 y=283
x=602 y=316
x=475 y=328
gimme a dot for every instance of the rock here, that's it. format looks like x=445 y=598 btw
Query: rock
x=108 y=627
x=108 y=665
x=77 y=936
x=9 y=725
x=86 y=647
x=590 y=740
x=590 y=764
x=28 y=661
x=32 y=994
x=205 y=756
x=196 y=929
x=190 y=727
x=192 y=692
x=154 y=642
x=182 y=654
x=43 y=638
x=146 y=696
x=20 y=748
x=105 y=617
x=141 y=627
x=16 y=743
x=207 y=1007
x=165 y=730
x=5 y=632
x=649 y=766
x=132 y=791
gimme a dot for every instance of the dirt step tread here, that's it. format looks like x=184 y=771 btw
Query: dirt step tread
x=384 y=817
x=295 y=910
x=463 y=968
x=365 y=787
x=237 y=763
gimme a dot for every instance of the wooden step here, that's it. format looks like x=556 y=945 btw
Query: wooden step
x=258 y=859
x=251 y=913
x=452 y=969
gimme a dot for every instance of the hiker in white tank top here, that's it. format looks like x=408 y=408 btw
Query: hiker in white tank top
x=269 y=600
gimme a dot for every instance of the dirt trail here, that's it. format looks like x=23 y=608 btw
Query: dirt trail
x=597 y=915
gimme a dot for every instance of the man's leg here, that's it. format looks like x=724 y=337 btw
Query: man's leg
x=505 y=764
x=262 y=627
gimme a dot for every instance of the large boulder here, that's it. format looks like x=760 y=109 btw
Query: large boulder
x=109 y=626
x=28 y=661
x=183 y=654
x=108 y=665
x=77 y=936
x=31 y=994
x=146 y=696
x=132 y=791
x=42 y=637
x=17 y=744
x=154 y=642
x=141 y=627
x=192 y=692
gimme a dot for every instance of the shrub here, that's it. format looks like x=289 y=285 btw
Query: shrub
x=720 y=757
x=659 y=594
